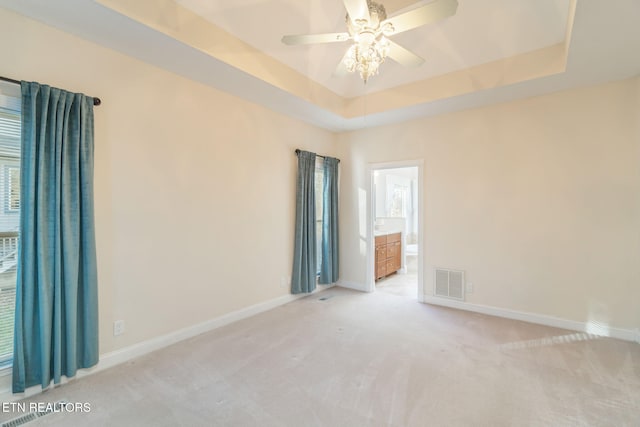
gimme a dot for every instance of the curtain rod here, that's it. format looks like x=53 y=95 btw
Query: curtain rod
x=317 y=155
x=96 y=101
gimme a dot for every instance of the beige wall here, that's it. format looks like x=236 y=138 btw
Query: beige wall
x=537 y=200
x=194 y=188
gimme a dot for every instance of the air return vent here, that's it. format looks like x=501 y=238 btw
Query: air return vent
x=449 y=284
x=32 y=416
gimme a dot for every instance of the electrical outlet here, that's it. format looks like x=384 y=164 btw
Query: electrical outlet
x=469 y=287
x=285 y=282
x=118 y=327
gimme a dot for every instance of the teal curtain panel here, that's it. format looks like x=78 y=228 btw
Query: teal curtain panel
x=330 y=259
x=303 y=277
x=56 y=321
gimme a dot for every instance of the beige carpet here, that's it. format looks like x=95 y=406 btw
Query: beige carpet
x=359 y=359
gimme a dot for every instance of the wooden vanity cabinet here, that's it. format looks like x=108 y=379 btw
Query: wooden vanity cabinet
x=388 y=254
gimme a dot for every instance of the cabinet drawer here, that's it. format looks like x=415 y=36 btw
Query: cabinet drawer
x=392 y=238
x=381 y=252
x=381 y=240
x=381 y=270
x=392 y=250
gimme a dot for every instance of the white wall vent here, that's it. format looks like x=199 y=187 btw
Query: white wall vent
x=449 y=284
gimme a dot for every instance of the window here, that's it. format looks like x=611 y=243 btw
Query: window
x=398 y=203
x=319 y=179
x=9 y=218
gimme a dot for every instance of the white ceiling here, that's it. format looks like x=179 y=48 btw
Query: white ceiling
x=602 y=46
x=480 y=32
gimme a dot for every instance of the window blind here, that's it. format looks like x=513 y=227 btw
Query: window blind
x=10 y=122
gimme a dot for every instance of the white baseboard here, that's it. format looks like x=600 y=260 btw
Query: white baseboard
x=353 y=285
x=117 y=357
x=540 y=319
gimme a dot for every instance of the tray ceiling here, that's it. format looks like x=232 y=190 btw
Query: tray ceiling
x=480 y=32
x=490 y=51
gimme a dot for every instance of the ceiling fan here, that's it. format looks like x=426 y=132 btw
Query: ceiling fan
x=370 y=29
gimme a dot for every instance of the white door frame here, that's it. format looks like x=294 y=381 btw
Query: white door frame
x=370 y=276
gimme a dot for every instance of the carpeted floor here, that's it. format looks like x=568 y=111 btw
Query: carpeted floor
x=359 y=359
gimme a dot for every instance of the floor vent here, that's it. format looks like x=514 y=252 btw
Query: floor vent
x=449 y=284
x=32 y=416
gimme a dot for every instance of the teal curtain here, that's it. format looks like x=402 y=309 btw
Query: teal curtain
x=303 y=277
x=329 y=264
x=56 y=323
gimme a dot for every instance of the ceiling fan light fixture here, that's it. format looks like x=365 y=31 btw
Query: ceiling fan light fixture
x=366 y=56
x=370 y=48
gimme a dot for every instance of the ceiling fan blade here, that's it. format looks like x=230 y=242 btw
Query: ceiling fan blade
x=432 y=12
x=315 y=38
x=403 y=56
x=357 y=10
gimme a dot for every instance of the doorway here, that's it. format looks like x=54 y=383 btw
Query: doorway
x=394 y=257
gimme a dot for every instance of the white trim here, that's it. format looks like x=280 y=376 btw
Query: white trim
x=370 y=216
x=353 y=285
x=540 y=319
x=117 y=357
